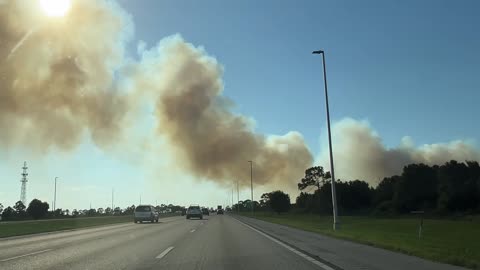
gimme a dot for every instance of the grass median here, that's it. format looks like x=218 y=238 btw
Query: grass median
x=39 y=226
x=448 y=241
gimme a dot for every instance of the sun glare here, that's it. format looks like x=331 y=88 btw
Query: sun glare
x=55 y=8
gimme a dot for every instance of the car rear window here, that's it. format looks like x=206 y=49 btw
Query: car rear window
x=194 y=207
x=143 y=209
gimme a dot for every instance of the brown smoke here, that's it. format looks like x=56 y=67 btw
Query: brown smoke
x=208 y=139
x=57 y=74
x=360 y=154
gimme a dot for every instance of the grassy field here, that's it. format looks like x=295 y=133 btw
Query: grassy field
x=453 y=242
x=38 y=226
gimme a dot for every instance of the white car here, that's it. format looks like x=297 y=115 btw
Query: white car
x=145 y=213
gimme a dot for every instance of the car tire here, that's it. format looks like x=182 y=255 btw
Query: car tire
x=135 y=221
x=156 y=220
x=201 y=217
x=188 y=217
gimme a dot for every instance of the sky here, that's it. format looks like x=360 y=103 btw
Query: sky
x=405 y=68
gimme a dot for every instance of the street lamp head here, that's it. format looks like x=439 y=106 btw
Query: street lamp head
x=317 y=52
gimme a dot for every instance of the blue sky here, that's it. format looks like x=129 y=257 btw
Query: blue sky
x=408 y=67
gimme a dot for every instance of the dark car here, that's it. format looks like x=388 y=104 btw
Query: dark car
x=194 y=211
x=219 y=211
x=184 y=212
x=205 y=211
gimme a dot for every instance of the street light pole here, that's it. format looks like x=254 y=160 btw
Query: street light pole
x=55 y=196
x=336 y=222
x=238 y=199
x=251 y=183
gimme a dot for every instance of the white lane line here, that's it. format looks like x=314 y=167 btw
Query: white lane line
x=306 y=257
x=25 y=255
x=165 y=252
x=192 y=230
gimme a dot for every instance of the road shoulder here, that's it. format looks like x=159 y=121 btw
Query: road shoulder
x=342 y=253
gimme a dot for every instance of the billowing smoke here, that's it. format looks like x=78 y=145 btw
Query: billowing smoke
x=63 y=80
x=60 y=81
x=360 y=154
x=208 y=139
x=57 y=74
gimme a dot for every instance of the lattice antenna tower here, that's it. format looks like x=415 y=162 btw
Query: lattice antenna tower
x=23 y=192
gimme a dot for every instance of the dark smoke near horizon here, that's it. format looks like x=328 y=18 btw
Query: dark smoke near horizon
x=66 y=80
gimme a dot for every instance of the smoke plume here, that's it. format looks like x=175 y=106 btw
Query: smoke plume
x=67 y=79
x=360 y=154
x=57 y=74
x=207 y=138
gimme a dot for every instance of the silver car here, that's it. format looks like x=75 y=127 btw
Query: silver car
x=194 y=211
x=145 y=213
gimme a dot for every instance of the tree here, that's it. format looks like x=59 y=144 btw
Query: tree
x=129 y=210
x=279 y=201
x=37 y=209
x=303 y=200
x=1 y=208
x=117 y=211
x=353 y=195
x=108 y=211
x=458 y=190
x=91 y=212
x=385 y=189
x=75 y=212
x=264 y=200
x=314 y=176
x=58 y=212
x=19 y=208
x=8 y=213
x=416 y=188
x=100 y=211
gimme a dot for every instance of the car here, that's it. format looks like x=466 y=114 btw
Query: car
x=194 y=211
x=219 y=211
x=205 y=211
x=145 y=213
x=184 y=211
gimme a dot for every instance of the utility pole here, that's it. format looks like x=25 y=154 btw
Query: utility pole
x=251 y=183
x=336 y=222
x=55 y=196
x=112 y=198
x=238 y=199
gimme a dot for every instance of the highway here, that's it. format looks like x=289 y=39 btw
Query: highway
x=216 y=242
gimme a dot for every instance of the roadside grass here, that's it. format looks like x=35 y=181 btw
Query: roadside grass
x=8 y=229
x=448 y=241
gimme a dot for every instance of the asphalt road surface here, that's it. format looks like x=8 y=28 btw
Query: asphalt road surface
x=216 y=242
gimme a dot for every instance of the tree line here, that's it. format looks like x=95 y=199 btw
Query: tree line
x=37 y=209
x=451 y=188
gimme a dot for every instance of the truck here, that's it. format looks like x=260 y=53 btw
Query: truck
x=219 y=210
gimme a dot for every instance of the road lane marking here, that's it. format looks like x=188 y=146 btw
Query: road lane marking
x=192 y=230
x=165 y=252
x=305 y=256
x=25 y=255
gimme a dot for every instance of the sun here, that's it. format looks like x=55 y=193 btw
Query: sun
x=55 y=8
